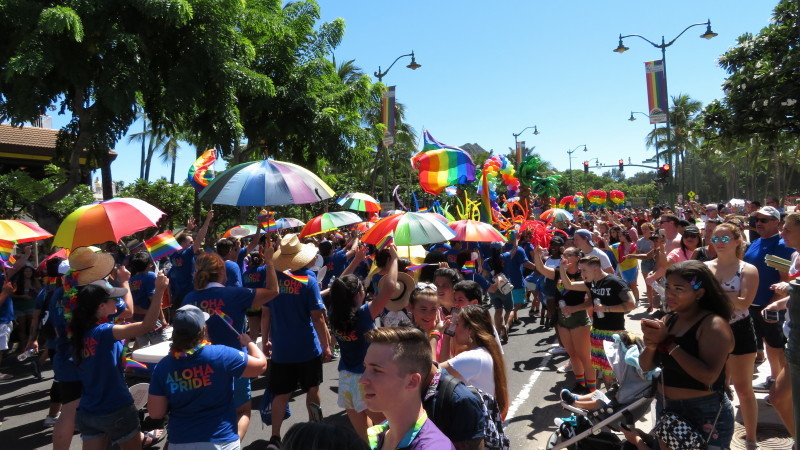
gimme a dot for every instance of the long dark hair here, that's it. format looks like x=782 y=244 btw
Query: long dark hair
x=478 y=321
x=495 y=261
x=714 y=300
x=84 y=316
x=182 y=340
x=343 y=308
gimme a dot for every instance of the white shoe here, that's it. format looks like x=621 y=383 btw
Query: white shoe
x=558 y=350
x=50 y=421
x=565 y=368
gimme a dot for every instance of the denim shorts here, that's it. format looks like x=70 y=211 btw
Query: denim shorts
x=119 y=426
x=701 y=412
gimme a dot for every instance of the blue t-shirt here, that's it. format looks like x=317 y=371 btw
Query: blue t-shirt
x=104 y=388
x=255 y=277
x=233 y=273
x=182 y=272
x=7 y=310
x=512 y=267
x=452 y=256
x=64 y=369
x=240 y=257
x=294 y=338
x=232 y=301
x=199 y=390
x=353 y=344
x=767 y=276
x=336 y=262
x=143 y=286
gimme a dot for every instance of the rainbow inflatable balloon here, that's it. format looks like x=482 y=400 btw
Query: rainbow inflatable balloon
x=578 y=197
x=617 y=198
x=596 y=198
x=567 y=203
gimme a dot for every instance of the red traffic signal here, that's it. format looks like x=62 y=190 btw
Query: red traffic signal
x=663 y=173
x=586 y=167
x=621 y=164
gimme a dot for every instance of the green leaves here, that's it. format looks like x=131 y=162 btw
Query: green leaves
x=173 y=12
x=61 y=20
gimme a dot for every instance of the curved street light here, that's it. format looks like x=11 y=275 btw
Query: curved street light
x=631 y=118
x=570 y=152
x=413 y=66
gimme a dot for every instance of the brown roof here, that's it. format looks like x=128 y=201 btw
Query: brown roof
x=28 y=136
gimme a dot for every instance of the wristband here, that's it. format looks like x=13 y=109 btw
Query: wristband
x=677 y=346
x=436 y=334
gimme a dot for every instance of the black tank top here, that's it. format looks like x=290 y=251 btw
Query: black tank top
x=673 y=374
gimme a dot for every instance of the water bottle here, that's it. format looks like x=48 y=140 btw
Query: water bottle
x=562 y=304
x=25 y=355
x=597 y=304
x=657 y=288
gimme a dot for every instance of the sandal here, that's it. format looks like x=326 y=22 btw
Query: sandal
x=152 y=438
x=750 y=445
x=5 y=376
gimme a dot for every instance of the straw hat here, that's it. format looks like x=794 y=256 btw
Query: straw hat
x=90 y=266
x=293 y=254
x=403 y=288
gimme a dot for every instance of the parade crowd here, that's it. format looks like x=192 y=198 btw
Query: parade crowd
x=418 y=341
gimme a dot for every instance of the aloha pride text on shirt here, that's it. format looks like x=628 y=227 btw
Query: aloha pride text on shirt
x=135 y=285
x=211 y=304
x=190 y=378
x=89 y=347
x=252 y=278
x=289 y=286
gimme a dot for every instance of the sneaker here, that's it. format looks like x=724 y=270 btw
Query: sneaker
x=50 y=421
x=557 y=350
x=767 y=401
x=580 y=389
x=764 y=385
x=568 y=397
x=565 y=368
x=274 y=443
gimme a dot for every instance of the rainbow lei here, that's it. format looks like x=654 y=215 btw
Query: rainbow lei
x=176 y=354
x=70 y=302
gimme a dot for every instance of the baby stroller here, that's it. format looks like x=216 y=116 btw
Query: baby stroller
x=623 y=406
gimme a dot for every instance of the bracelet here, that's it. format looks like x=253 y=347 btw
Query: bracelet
x=436 y=334
x=677 y=346
x=664 y=345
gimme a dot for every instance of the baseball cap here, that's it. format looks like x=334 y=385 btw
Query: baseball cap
x=189 y=318
x=111 y=291
x=586 y=234
x=556 y=240
x=770 y=211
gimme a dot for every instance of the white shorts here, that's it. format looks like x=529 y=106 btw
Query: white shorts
x=5 y=332
x=351 y=392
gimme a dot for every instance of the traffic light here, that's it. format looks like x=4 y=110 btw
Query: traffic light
x=586 y=167
x=621 y=164
x=663 y=173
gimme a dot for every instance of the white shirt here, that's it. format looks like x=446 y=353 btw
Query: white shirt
x=605 y=263
x=476 y=368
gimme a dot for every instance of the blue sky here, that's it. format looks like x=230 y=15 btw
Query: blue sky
x=490 y=69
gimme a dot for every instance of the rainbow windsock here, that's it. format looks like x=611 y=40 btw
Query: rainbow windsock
x=162 y=245
x=468 y=267
x=132 y=363
x=440 y=166
x=419 y=266
x=388 y=239
x=200 y=174
x=485 y=205
x=301 y=278
x=6 y=248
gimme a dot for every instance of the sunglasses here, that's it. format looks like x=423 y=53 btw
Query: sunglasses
x=710 y=210
x=764 y=220
x=430 y=286
x=723 y=239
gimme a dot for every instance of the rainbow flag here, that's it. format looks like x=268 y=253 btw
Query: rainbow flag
x=420 y=266
x=388 y=239
x=388 y=110
x=6 y=248
x=468 y=267
x=201 y=173
x=441 y=165
x=657 y=100
x=132 y=363
x=422 y=210
x=269 y=225
x=162 y=245
x=301 y=278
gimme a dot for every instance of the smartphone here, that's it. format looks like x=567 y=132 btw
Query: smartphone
x=770 y=316
x=451 y=329
x=650 y=323
x=662 y=233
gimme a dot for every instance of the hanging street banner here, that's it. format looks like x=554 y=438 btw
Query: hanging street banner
x=657 y=100
x=520 y=146
x=387 y=111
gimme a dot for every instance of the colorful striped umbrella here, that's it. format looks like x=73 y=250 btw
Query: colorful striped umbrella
x=265 y=183
x=357 y=201
x=20 y=231
x=409 y=228
x=240 y=231
x=475 y=231
x=329 y=221
x=288 y=222
x=556 y=215
x=106 y=221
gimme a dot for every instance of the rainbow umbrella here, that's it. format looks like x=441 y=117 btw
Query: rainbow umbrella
x=357 y=201
x=264 y=183
x=475 y=231
x=20 y=231
x=556 y=215
x=288 y=222
x=105 y=221
x=240 y=231
x=329 y=221
x=409 y=228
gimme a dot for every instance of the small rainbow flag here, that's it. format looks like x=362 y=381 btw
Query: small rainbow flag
x=133 y=364
x=162 y=245
x=269 y=225
x=388 y=239
x=301 y=278
x=423 y=210
x=6 y=247
x=419 y=266
x=468 y=267
x=201 y=173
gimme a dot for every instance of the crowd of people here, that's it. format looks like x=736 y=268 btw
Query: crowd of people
x=419 y=349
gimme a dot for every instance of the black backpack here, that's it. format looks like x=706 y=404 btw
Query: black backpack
x=494 y=436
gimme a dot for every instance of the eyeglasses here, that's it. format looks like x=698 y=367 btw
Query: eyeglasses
x=723 y=239
x=430 y=286
x=764 y=220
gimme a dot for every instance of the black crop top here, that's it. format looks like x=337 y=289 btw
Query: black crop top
x=673 y=374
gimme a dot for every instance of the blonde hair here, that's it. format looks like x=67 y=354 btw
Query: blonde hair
x=209 y=267
x=649 y=226
x=737 y=234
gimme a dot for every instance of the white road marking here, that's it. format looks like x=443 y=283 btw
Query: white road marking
x=526 y=389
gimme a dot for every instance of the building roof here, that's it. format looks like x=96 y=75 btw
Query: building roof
x=28 y=136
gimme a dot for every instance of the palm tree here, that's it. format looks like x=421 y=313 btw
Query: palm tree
x=683 y=119
x=169 y=155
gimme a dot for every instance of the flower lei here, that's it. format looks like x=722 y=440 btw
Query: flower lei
x=70 y=300
x=178 y=354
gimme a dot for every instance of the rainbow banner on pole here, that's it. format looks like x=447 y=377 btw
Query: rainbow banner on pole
x=6 y=248
x=200 y=174
x=440 y=166
x=485 y=205
x=162 y=245
x=388 y=110
x=657 y=99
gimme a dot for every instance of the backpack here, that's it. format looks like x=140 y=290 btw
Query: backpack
x=494 y=436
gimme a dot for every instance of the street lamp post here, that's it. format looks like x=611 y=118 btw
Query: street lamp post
x=663 y=46
x=379 y=75
x=516 y=143
x=570 y=152
x=655 y=137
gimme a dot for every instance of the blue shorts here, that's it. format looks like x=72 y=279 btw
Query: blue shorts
x=701 y=412
x=518 y=296
x=241 y=391
x=119 y=426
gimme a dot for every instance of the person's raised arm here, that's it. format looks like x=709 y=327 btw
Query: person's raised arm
x=251 y=247
x=22 y=261
x=360 y=255
x=123 y=276
x=387 y=290
x=201 y=233
x=190 y=225
x=549 y=272
x=569 y=284
x=256 y=361
x=131 y=330
x=265 y=295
